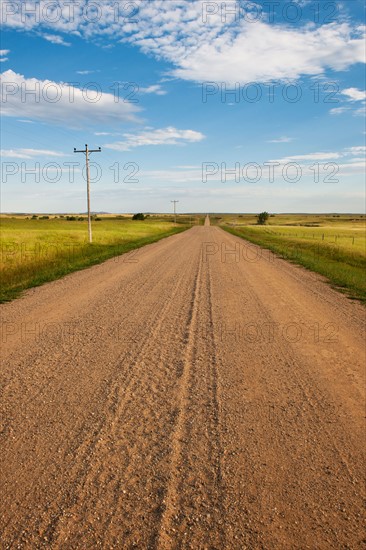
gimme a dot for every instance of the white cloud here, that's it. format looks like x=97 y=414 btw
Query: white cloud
x=310 y=157
x=164 y=136
x=154 y=89
x=264 y=53
x=3 y=53
x=339 y=110
x=29 y=153
x=354 y=94
x=85 y=72
x=230 y=51
x=283 y=139
x=60 y=103
x=55 y=39
x=359 y=149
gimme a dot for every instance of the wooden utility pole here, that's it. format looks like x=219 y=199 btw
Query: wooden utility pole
x=175 y=210
x=87 y=152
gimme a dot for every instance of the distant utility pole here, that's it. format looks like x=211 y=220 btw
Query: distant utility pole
x=87 y=152
x=175 y=210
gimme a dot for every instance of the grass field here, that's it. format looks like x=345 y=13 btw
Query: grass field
x=35 y=251
x=332 y=245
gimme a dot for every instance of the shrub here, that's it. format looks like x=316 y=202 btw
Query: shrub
x=262 y=218
x=139 y=216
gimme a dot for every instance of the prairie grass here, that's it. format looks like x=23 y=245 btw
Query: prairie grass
x=332 y=246
x=37 y=251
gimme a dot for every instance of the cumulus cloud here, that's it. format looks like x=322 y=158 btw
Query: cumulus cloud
x=339 y=110
x=55 y=39
x=163 y=136
x=264 y=53
x=3 y=54
x=154 y=89
x=354 y=94
x=61 y=103
x=202 y=47
x=29 y=153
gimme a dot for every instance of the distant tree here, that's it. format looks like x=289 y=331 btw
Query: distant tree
x=139 y=216
x=34 y=217
x=262 y=218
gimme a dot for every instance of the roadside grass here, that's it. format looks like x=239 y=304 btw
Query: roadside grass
x=34 y=252
x=350 y=221
x=336 y=252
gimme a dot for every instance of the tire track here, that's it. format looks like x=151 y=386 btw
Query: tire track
x=195 y=462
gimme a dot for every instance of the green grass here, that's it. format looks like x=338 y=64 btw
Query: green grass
x=34 y=252
x=333 y=247
x=38 y=251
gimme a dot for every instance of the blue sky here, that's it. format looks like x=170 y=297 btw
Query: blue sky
x=149 y=88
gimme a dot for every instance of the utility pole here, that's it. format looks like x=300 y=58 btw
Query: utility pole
x=87 y=152
x=175 y=211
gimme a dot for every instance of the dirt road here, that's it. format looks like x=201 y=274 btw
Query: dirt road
x=199 y=394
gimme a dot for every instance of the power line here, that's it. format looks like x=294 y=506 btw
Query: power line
x=87 y=152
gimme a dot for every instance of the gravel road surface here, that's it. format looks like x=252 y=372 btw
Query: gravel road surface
x=200 y=393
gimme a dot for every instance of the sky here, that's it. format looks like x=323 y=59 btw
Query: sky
x=225 y=106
